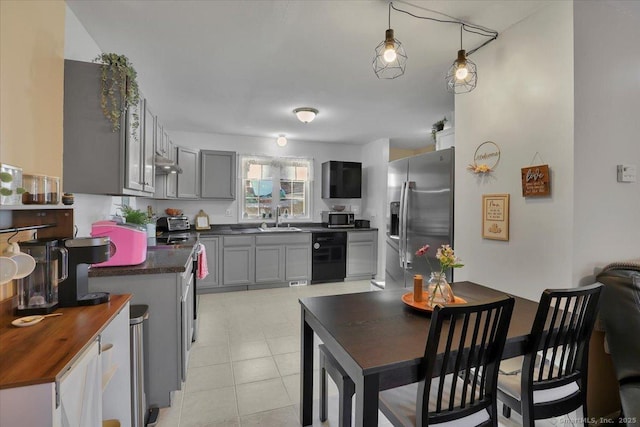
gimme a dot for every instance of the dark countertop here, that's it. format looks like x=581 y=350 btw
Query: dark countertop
x=233 y=229
x=163 y=258
x=160 y=259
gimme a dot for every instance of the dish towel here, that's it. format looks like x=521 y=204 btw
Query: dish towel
x=203 y=271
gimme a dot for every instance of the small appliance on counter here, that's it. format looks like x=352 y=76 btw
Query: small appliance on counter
x=173 y=223
x=333 y=219
x=38 y=292
x=128 y=243
x=83 y=251
x=363 y=223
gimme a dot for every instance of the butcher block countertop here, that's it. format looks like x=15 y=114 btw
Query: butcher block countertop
x=43 y=352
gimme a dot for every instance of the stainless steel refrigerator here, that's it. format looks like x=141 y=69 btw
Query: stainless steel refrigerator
x=419 y=212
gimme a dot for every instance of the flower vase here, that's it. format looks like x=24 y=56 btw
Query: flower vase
x=439 y=290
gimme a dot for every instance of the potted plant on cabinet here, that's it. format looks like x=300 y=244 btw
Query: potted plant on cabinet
x=119 y=89
x=437 y=127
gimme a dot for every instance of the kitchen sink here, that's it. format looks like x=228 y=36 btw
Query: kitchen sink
x=278 y=229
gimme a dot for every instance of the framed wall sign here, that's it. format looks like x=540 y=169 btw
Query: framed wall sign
x=202 y=221
x=495 y=216
x=536 y=181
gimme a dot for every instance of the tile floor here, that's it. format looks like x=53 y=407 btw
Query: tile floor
x=244 y=370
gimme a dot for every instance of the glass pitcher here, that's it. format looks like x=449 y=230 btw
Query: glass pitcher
x=38 y=292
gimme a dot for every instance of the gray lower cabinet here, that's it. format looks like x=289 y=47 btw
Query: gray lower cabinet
x=298 y=262
x=169 y=300
x=212 y=245
x=362 y=254
x=283 y=258
x=217 y=175
x=238 y=257
x=189 y=179
x=269 y=263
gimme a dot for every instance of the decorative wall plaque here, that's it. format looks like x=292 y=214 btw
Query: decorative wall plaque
x=485 y=158
x=536 y=181
x=495 y=216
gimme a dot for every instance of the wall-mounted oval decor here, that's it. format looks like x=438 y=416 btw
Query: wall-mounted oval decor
x=486 y=158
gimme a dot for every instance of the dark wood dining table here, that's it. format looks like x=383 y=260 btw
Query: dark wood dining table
x=379 y=340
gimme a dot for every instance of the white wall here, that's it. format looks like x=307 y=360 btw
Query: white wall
x=375 y=162
x=607 y=125
x=320 y=152
x=524 y=103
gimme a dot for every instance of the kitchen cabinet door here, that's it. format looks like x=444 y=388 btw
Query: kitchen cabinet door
x=217 y=175
x=188 y=180
x=362 y=254
x=171 y=185
x=134 y=155
x=81 y=390
x=238 y=260
x=298 y=262
x=148 y=150
x=270 y=264
x=212 y=245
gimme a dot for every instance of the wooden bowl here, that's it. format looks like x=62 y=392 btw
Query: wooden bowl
x=173 y=212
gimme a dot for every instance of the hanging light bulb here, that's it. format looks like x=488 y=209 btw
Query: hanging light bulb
x=389 y=47
x=462 y=76
x=391 y=59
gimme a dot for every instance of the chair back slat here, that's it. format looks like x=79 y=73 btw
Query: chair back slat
x=560 y=333
x=464 y=358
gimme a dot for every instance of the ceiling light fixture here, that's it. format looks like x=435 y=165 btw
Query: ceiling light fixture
x=281 y=141
x=305 y=114
x=462 y=76
x=391 y=59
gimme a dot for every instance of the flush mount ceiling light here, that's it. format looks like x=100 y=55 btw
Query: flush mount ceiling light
x=390 y=60
x=305 y=114
x=281 y=141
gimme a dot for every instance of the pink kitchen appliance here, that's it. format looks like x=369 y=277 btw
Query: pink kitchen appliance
x=128 y=243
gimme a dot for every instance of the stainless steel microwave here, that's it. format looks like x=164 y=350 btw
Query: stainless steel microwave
x=333 y=219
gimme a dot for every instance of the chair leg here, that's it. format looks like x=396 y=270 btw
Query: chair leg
x=506 y=411
x=323 y=391
x=347 y=390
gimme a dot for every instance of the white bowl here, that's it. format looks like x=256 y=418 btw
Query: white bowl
x=338 y=208
x=8 y=269
x=26 y=264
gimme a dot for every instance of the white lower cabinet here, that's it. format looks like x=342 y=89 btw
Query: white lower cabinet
x=95 y=387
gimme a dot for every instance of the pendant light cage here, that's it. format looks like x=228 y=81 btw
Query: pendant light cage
x=466 y=84
x=393 y=69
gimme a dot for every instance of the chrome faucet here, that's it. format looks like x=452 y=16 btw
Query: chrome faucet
x=277 y=216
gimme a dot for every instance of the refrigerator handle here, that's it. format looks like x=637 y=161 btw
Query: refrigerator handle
x=401 y=221
x=408 y=186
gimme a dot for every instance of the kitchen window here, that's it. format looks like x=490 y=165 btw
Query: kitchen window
x=268 y=182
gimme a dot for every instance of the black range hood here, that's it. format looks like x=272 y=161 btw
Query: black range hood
x=165 y=165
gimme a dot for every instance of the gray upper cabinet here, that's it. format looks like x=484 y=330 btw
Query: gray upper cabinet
x=188 y=182
x=97 y=160
x=217 y=174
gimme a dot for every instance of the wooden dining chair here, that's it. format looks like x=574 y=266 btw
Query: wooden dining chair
x=552 y=376
x=458 y=374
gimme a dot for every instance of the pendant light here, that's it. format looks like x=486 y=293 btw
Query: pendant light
x=391 y=59
x=462 y=76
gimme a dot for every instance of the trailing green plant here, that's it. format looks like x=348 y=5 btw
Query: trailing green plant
x=133 y=216
x=119 y=89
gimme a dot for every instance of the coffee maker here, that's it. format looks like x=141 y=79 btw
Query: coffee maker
x=83 y=251
x=38 y=292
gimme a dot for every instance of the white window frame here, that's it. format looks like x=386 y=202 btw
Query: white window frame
x=276 y=163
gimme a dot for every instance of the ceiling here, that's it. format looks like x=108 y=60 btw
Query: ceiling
x=241 y=67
